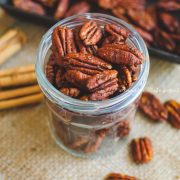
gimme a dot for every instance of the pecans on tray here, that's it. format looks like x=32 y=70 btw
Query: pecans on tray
x=91 y=62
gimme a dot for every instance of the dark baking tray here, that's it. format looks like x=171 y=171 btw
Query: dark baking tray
x=49 y=21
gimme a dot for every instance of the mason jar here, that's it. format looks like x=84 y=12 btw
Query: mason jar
x=90 y=128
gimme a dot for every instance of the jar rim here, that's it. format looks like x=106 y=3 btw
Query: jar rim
x=91 y=106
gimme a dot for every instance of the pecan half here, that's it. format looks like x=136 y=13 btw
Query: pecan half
x=118 y=176
x=120 y=54
x=62 y=42
x=90 y=33
x=85 y=63
x=142 y=18
x=29 y=6
x=173 y=109
x=123 y=128
x=77 y=78
x=152 y=107
x=72 y=92
x=141 y=149
x=78 y=8
x=61 y=8
x=119 y=33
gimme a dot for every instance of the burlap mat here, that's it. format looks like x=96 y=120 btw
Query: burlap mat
x=27 y=150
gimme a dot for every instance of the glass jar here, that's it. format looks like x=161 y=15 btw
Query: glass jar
x=90 y=128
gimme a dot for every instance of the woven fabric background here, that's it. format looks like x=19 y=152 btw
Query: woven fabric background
x=28 y=152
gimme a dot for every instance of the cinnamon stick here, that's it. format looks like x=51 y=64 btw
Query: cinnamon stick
x=19 y=92
x=27 y=100
x=17 y=70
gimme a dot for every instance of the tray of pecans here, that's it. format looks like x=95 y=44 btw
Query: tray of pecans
x=156 y=21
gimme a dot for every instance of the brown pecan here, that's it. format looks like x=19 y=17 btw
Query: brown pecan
x=119 y=33
x=118 y=176
x=29 y=6
x=108 y=4
x=72 y=92
x=123 y=128
x=152 y=107
x=62 y=42
x=173 y=109
x=169 y=22
x=85 y=63
x=77 y=78
x=142 y=19
x=141 y=149
x=61 y=8
x=120 y=12
x=120 y=54
x=90 y=33
x=78 y=8
x=164 y=40
x=169 y=5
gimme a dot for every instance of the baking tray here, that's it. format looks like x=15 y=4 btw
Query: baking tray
x=49 y=21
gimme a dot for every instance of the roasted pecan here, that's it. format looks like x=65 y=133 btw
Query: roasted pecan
x=78 y=8
x=120 y=54
x=152 y=107
x=90 y=33
x=29 y=6
x=61 y=8
x=62 y=42
x=77 y=78
x=72 y=92
x=169 y=5
x=164 y=40
x=118 y=176
x=119 y=33
x=173 y=109
x=169 y=22
x=141 y=149
x=111 y=40
x=142 y=18
x=85 y=63
x=123 y=128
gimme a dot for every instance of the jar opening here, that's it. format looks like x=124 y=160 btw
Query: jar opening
x=92 y=107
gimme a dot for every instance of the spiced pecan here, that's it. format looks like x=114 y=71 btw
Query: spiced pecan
x=173 y=109
x=119 y=176
x=61 y=8
x=142 y=19
x=120 y=54
x=62 y=42
x=77 y=78
x=141 y=149
x=169 y=5
x=169 y=22
x=72 y=92
x=85 y=63
x=151 y=106
x=119 y=33
x=90 y=33
x=29 y=6
x=123 y=128
x=78 y=8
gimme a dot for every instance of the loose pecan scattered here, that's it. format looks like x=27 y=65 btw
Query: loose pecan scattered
x=118 y=176
x=78 y=8
x=123 y=128
x=72 y=92
x=61 y=8
x=62 y=42
x=141 y=149
x=90 y=33
x=85 y=63
x=173 y=109
x=120 y=54
x=152 y=107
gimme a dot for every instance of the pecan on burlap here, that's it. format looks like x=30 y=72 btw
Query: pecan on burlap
x=120 y=54
x=119 y=176
x=90 y=33
x=86 y=63
x=173 y=109
x=71 y=92
x=141 y=149
x=151 y=106
x=62 y=42
x=62 y=7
